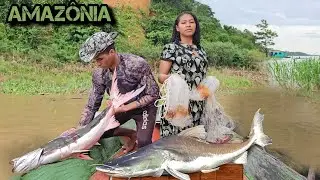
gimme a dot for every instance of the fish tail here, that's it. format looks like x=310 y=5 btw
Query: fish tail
x=117 y=98
x=27 y=162
x=257 y=133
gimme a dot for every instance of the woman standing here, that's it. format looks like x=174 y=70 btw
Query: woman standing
x=184 y=55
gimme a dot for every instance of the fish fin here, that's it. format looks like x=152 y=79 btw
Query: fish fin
x=210 y=170
x=123 y=98
x=80 y=151
x=242 y=159
x=256 y=131
x=197 y=132
x=113 y=123
x=177 y=174
x=117 y=98
x=158 y=173
x=82 y=156
x=203 y=141
x=97 y=144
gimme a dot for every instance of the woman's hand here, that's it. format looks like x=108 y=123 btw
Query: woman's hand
x=164 y=68
x=204 y=91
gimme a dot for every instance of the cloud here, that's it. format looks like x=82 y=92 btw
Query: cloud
x=311 y=35
x=277 y=12
x=295 y=21
x=293 y=38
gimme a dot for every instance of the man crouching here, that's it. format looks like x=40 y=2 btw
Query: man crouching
x=133 y=72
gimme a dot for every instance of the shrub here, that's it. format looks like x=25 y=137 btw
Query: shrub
x=230 y=55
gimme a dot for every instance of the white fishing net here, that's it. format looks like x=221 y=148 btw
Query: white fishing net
x=216 y=121
x=175 y=101
x=175 y=97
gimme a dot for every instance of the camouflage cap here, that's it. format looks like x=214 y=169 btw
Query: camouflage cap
x=95 y=44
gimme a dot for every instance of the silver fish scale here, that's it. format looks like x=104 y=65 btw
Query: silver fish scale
x=63 y=141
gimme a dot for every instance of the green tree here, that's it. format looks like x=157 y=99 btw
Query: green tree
x=265 y=35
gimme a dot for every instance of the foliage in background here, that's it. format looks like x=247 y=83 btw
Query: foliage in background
x=32 y=80
x=141 y=34
x=265 y=36
x=231 y=55
x=42 y=48
x=225 y=45
x=55 y=45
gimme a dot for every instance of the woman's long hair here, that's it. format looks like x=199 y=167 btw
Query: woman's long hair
x=176 y=35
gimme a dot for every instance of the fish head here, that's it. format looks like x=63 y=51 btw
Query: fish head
x=133 y=165
x=114 y=171
x=122 y=170
x=128 y=172
x=27 y=162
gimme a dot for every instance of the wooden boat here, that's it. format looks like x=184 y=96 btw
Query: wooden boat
x=262 y=165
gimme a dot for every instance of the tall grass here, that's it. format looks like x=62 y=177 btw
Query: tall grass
x=231 y=83
x=28 y=79
x=297 y=74
x=34 y=79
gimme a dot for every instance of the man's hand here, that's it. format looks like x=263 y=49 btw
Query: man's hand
x=121 y=109
x=109 y=103
x=68 y=132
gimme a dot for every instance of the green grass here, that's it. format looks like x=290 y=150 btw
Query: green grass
x=33 y=79
x=231 y=83
x=301 y=75
x=29 y=79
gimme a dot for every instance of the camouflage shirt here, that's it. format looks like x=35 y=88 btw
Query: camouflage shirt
x=132 y=73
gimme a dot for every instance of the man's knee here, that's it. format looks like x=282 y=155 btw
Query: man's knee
x=144 y=140
x=108 y=134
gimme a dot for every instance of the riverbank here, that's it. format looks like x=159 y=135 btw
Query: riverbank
x=20 y=78
x=36 y=79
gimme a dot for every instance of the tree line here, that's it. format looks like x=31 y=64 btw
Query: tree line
x=58 y=44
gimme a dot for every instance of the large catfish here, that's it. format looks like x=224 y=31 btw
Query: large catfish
x=81 y=140
x=185 y=153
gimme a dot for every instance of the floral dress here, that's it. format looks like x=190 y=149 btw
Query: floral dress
x=190 y=61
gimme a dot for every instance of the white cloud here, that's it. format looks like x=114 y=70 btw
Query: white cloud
x=297 y=22
x=293 y=38
x=277 y=12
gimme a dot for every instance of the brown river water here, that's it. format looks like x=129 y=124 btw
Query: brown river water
x=26 y=122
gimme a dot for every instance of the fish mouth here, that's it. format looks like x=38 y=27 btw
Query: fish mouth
x=26 y=162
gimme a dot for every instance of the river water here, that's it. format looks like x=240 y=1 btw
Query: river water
x=26 y=122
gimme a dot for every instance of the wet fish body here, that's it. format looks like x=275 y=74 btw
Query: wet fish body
x=77 y=142
x=184 y=153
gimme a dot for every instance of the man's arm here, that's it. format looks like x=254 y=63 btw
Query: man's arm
x=95 y=98
x=151 y=90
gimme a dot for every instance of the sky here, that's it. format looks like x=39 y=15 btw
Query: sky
x=297 y=22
